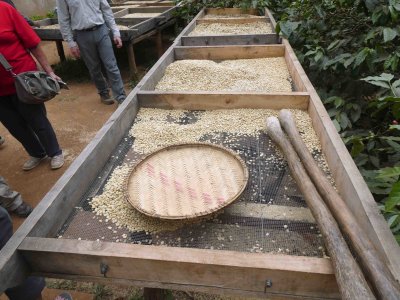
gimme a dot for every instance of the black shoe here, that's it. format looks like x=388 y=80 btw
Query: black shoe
x=106 y=99
x=121 y=99
x=23 y=210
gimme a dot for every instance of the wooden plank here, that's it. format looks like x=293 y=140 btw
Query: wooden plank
x=270 y=212
x=121 y=12
x=221 y=100
x=239 y=39
x=181 y=287
x=298 y=76
x=301 y=276
x=230 y=11
x=53 y=209
x=229 y=52
x=233 y=20
x=157 y=71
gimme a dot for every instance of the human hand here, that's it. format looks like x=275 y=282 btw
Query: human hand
x=54 y=76
x=118 y=41
x=75 y=51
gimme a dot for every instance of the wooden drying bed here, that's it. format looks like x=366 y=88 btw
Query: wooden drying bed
x=33 y=250
x=238 y=39
x=137 y=29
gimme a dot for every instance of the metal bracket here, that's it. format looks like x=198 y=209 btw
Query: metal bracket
x=103 y=269
x=268 y=284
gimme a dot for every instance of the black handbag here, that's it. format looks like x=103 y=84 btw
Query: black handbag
x=33 y=87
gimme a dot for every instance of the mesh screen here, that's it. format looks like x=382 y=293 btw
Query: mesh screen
x=270 y=216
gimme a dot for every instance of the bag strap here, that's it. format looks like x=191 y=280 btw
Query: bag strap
x=6 y=65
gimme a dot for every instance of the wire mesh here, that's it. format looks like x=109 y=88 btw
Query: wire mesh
x=270 y=215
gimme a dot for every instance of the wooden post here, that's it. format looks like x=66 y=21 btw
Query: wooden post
x=375 y=267
x=159 y=44
x=60 y=50
x=131 y=59
x=351 y=281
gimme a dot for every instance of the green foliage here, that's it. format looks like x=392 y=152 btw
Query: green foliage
x=50 y=14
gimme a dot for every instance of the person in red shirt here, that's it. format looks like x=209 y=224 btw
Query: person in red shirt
x=28 y=123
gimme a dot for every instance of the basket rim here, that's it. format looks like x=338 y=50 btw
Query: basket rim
x=195 y=215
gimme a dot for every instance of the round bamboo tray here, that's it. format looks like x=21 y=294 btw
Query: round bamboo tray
x=186 y=181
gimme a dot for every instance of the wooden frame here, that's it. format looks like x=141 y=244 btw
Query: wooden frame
x=32 y=250
x=138 y=30
x=166 y=13
x=201 y=100
x=239 y=39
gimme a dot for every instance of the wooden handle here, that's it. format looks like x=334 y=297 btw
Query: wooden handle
x=374 y=267
x=351 y=282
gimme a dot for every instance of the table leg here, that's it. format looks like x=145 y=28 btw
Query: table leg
x=131 y=59
x=60 y=50
x=159 y=44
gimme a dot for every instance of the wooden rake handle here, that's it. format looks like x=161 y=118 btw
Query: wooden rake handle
x=374 y=267
x=351 y=282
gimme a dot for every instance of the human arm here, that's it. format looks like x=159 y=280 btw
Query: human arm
x=38 y=53
x=110 y=21
x=64 y=19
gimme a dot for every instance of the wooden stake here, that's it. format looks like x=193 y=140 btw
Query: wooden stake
x=375 y=269
x=351 y=282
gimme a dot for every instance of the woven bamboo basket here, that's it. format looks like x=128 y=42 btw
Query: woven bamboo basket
x=186 y=181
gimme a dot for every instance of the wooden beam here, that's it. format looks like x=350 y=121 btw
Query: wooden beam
x=221 y=100
x=238 y=39
x=229 y=52
x=271 y=212
x=226 y=270
x=233 y=20
x=157 y=71
x=230 y=11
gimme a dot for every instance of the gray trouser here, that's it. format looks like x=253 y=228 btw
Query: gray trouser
x=96 y=49
x=9 y=199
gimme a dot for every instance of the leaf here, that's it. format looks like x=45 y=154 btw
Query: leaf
x=389 y=34
x=387 y=76
x=382 y=80
x=337 y=126
x=361 y=56
x=349 y=61
x=394 y=197
x=394 y=127
x=338 y=102
x=344 y=121
x=318 y=56
x=288 y=27
x=389 y=172
x=358 y=146
x=393 y=220
x=374 y=161
x=394 y=145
